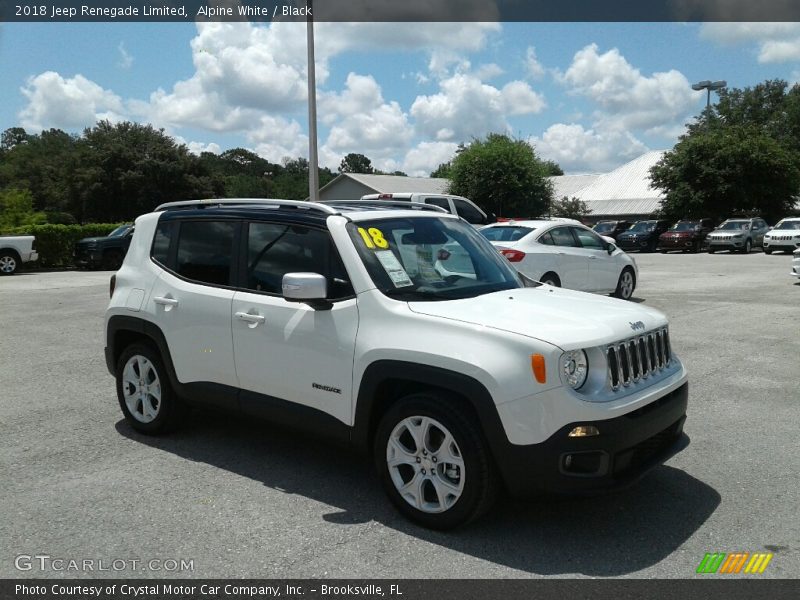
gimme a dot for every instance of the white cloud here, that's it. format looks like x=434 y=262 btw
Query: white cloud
x=580 y=150
x=532 y=64
x=426 y=156
x=776 y=42
x=361 y=121
x=125 y=58
x=632 y=100
x=71 y=103
x=488 y=71
x=466 y=107
x=200 y=147
x=274 y=138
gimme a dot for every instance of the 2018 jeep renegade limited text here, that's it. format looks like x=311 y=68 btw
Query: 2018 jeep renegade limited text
x=402 y=332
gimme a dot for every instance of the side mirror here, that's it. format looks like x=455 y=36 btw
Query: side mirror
x=311 y=288
x=610 y=248
x=490 y=218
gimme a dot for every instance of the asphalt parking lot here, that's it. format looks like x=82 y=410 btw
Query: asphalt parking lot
x=242 y=499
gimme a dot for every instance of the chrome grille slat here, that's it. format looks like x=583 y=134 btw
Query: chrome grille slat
x=638 y=358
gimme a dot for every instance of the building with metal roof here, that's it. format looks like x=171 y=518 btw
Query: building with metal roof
x=347 y=186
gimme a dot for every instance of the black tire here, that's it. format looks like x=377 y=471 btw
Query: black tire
x=9 y=263
x=748 y=246
x=622 y=289
x=171 y=409
x=695 y=247
x=767 y=250
x=664 y=250
x=112 y=260
x=711 y=250
x=480 y=483
x=551 y=279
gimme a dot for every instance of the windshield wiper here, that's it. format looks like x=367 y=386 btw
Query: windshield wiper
x=414 y=294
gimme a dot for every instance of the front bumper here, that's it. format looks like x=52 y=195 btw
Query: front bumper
x=731 y=244
x=627 y=448
x=780 y=245
x=33 y=256
x=682 y=243
x=629 y=245
x=86 y=258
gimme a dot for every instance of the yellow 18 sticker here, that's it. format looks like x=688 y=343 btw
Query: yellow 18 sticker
x=373 y=238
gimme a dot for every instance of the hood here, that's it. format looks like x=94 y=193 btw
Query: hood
x=678 y=233
x=565 y=318
x=635 y=234
x=90 y=240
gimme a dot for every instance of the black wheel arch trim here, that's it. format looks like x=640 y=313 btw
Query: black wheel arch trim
x=381 y=371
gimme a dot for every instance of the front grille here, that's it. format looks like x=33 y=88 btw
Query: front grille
x=638 y=358
x=780 y=238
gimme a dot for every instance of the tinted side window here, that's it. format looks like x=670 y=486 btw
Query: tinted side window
x=442 y=202
x=161 y=243
x=562 y=236
x=276 y=249
x=468 y=212
x=204 y=251
x=546 y=239
x=589 y=239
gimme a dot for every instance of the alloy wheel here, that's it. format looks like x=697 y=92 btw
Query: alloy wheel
x=8 y=264
x=425 y=464
x=141 y=388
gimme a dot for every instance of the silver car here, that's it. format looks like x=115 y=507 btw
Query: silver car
x=738 y=235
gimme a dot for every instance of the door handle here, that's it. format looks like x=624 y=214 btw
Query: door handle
x=167 y=303
x=251 y=319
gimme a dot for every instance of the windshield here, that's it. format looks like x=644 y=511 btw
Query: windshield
x=604 y=227
x=119 y=231
x=428 y=258
x=685 y=226
x=642 y=226
x=788 y=225
x=735 y=225
x=502 y=233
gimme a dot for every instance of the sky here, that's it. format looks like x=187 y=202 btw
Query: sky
x=590 y=96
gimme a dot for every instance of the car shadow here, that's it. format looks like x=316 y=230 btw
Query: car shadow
x=602 y=536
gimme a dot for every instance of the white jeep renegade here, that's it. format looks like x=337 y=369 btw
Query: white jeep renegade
x=402 y=332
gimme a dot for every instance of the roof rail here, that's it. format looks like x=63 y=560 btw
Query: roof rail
x=220 y=202
x=384 y=204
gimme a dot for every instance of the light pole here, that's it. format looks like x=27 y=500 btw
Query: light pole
x=709 y=85
x=313 y=172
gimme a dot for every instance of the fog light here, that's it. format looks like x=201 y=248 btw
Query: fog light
x=584 y=431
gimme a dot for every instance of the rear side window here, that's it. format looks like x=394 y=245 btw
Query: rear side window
x=441 y=202
x=274 y=249
x=468 y=212
x=161 y=243
x=204 y=252
x=505 y=233
x=562 y=236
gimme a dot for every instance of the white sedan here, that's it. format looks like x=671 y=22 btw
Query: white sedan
x=565 y=255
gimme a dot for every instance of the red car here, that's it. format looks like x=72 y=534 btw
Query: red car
x=687 y=236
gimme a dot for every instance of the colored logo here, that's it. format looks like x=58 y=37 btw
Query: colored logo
x=734 y=563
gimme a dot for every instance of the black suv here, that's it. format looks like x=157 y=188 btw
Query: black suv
x=642 y=236
x=104 y=252
x=611 y=228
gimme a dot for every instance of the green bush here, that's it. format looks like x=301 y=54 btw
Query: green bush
x=55 y=243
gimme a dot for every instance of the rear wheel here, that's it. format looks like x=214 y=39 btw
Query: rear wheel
x=551 y=279
x=9 y=263
x=626 y=284
x=144 y=392
x=433 y=462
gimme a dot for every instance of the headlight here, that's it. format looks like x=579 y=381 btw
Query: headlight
x=738 y=235
x=575 y=368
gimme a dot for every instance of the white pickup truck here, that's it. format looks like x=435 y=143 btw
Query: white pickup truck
x=15 y=250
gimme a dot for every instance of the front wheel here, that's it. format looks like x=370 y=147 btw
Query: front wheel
x=767 y=250
x=433 y=462
x=626 y=284
x=144 y=392
x=748 y=245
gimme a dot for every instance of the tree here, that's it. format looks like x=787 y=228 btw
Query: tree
x=12 y=137
x=129 y=168
x=355 y=163
x=16 y=208
x=442 y=171
x=503 y=176
x=553 y=168
x=721 y=169
x=571 y=208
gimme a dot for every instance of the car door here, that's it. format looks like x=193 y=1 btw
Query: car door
x=572 y=262
x=603 y=270
x=191 y=302
x=760 y=232
x=288 y=350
